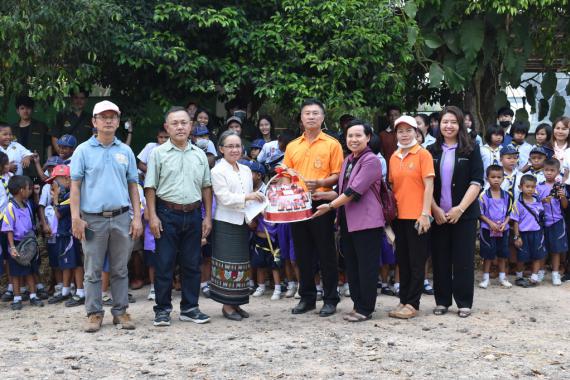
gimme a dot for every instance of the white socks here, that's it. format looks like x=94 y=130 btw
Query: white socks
x=519 y=274
x=485 y=276
x=80 y=293
x=65 y=291
x=502 y=276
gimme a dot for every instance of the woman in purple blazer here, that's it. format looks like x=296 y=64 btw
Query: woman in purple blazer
x=360 y=218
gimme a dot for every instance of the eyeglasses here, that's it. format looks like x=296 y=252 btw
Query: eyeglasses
x=230 y=147
x=107 y=118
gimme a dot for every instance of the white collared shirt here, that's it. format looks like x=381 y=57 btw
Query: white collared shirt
x=16 y=153
x=230 y=188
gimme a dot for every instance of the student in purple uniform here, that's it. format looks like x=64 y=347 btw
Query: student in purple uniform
x=554 y=199
x=17 y=223
x=528 y=217
x=495 y=206
x=265 y=254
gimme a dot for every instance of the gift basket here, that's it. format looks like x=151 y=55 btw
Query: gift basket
x=288 y=202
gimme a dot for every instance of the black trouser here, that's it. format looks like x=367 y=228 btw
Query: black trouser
x=453 y=251
x=314 y=247
x=411 y=256
x=361 y=251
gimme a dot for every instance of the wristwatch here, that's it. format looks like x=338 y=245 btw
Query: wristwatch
x=331 y=206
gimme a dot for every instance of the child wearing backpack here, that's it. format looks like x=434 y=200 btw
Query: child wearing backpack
x=495 y=206
x=554 y=199
x=18 y=224
x=528 y=216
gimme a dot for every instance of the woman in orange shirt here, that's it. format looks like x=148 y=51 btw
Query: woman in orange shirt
x=411 y=174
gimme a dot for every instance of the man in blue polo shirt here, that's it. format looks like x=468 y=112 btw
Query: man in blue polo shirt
x=104 y=187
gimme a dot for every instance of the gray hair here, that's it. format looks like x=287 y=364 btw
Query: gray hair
x=225 y=135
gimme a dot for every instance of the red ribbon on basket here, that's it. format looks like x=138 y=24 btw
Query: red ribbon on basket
x=282 y=173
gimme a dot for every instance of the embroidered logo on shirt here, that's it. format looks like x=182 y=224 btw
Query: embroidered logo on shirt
x=121 y=159
x=318 y=164
x=67 y=124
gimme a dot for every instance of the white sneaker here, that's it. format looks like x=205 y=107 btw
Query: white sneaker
x=484 y=284
x=297 y=295
x=556 y=280
x=151 y=295
x=258 y=292
x=345 y=290
x=276 y=296
x=291 y=291
x=505 y=283
x=540 y=275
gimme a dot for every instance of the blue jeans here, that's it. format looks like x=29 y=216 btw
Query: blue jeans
x=179 y=243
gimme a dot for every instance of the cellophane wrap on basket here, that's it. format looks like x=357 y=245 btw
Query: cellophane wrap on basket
x=289 y=202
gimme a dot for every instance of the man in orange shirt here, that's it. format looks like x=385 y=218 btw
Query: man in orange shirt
x=317 y=158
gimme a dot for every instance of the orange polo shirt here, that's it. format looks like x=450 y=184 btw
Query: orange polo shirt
x=406 y=175
x=317 y=160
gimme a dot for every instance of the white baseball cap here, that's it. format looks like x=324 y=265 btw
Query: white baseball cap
x=105 y=105
x=406 y=120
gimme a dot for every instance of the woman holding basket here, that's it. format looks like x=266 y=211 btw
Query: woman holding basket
x=360 y=217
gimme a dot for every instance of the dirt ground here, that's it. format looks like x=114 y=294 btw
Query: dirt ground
x=516 y=333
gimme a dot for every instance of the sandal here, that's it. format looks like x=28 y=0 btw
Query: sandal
x=464 y=312
x=405 y=312
x=348 y=315
x=440 y=310
x=357 y=317
x=392 y=312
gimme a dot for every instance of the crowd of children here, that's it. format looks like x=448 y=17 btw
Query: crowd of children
x=523 y=223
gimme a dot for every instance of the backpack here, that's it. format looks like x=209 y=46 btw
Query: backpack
x=388 y=202
x=28 y=248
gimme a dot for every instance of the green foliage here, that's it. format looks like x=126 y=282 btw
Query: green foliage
x=521 y=115
x=558 y=106
x=543 y=108
x=548 y=85
x=530 y=94
x=51 y=49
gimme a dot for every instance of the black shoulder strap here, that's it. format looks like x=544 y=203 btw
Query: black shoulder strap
x=536 y=217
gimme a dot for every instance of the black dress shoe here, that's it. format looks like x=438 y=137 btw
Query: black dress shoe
x=302 y=307
x=234 y=316
x=242 y=312
x=327 y=310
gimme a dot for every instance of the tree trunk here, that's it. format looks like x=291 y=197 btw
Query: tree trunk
x=480 y=98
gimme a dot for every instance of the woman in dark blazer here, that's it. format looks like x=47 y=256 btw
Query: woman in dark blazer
x=458 y=181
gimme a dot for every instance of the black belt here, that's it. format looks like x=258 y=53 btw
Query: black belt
x=112 y=213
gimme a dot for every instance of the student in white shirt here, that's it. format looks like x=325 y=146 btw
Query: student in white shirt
x=491 y=151
x=142 y=158
x=19 y=156
x=519 y=132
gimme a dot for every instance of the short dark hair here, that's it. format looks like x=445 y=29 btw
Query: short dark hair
x=190 y=103
x=313 y=102
x=4 y=160
x=365 y=125
x=553 y=162
x=519 y=127
x=160 y=130
x=18 y=182
x=174 y=109
x=3 y=124
x=494 y=168
x=505 y=111
x=393 y=107
x=493 y=129
x=83 y=91
x=528 y=178
x=24 y=100
x=434 y=115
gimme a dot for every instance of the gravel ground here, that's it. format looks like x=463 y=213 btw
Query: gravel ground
x=516 y=333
